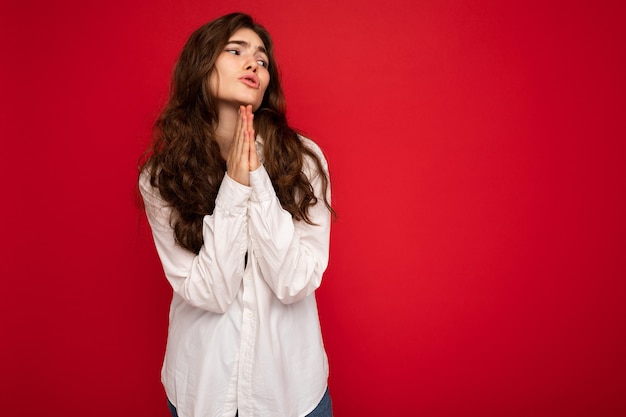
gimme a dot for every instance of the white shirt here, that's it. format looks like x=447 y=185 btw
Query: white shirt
x=245 y=339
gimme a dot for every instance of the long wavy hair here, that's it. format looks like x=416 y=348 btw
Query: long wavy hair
x=184 y=160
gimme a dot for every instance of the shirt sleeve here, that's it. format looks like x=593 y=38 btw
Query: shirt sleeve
x=292 y=255
x=211 y=279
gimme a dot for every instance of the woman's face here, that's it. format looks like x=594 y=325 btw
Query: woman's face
x=240 y=76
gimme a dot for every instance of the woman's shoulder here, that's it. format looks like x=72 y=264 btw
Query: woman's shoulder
x=311 y=168
x=311 y=145
x=148 y=191
x=144 y=179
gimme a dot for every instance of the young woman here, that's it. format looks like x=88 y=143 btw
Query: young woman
x=239 y=206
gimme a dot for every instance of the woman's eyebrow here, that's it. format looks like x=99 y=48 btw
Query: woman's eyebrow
x=260 y=48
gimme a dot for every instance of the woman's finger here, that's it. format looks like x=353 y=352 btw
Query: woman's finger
x=240 y=133
x=245 y=143
x=254 y=158
x=238 y=165
x=251 y=137
x=250 y=115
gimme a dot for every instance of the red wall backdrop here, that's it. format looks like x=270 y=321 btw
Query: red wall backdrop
x=478 y=157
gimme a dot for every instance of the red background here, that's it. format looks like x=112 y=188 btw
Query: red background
x=478 y=158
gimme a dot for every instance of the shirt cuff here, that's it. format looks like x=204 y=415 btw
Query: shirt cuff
x=232 y=196
x=262 y=188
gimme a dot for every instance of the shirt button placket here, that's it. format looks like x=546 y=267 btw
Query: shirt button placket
x=248 y=336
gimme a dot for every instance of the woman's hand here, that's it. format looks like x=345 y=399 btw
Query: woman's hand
x=242 y=157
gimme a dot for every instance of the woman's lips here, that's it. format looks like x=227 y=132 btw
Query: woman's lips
x=251 y=80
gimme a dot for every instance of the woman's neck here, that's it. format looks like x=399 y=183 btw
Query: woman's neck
x=225 y=129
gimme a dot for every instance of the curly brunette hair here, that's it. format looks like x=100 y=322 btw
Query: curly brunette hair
x=184 y=161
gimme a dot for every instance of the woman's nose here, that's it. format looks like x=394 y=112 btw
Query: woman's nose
x=252 y=65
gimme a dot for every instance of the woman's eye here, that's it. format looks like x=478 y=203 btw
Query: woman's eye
x=233 y=51
x=262 y=63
